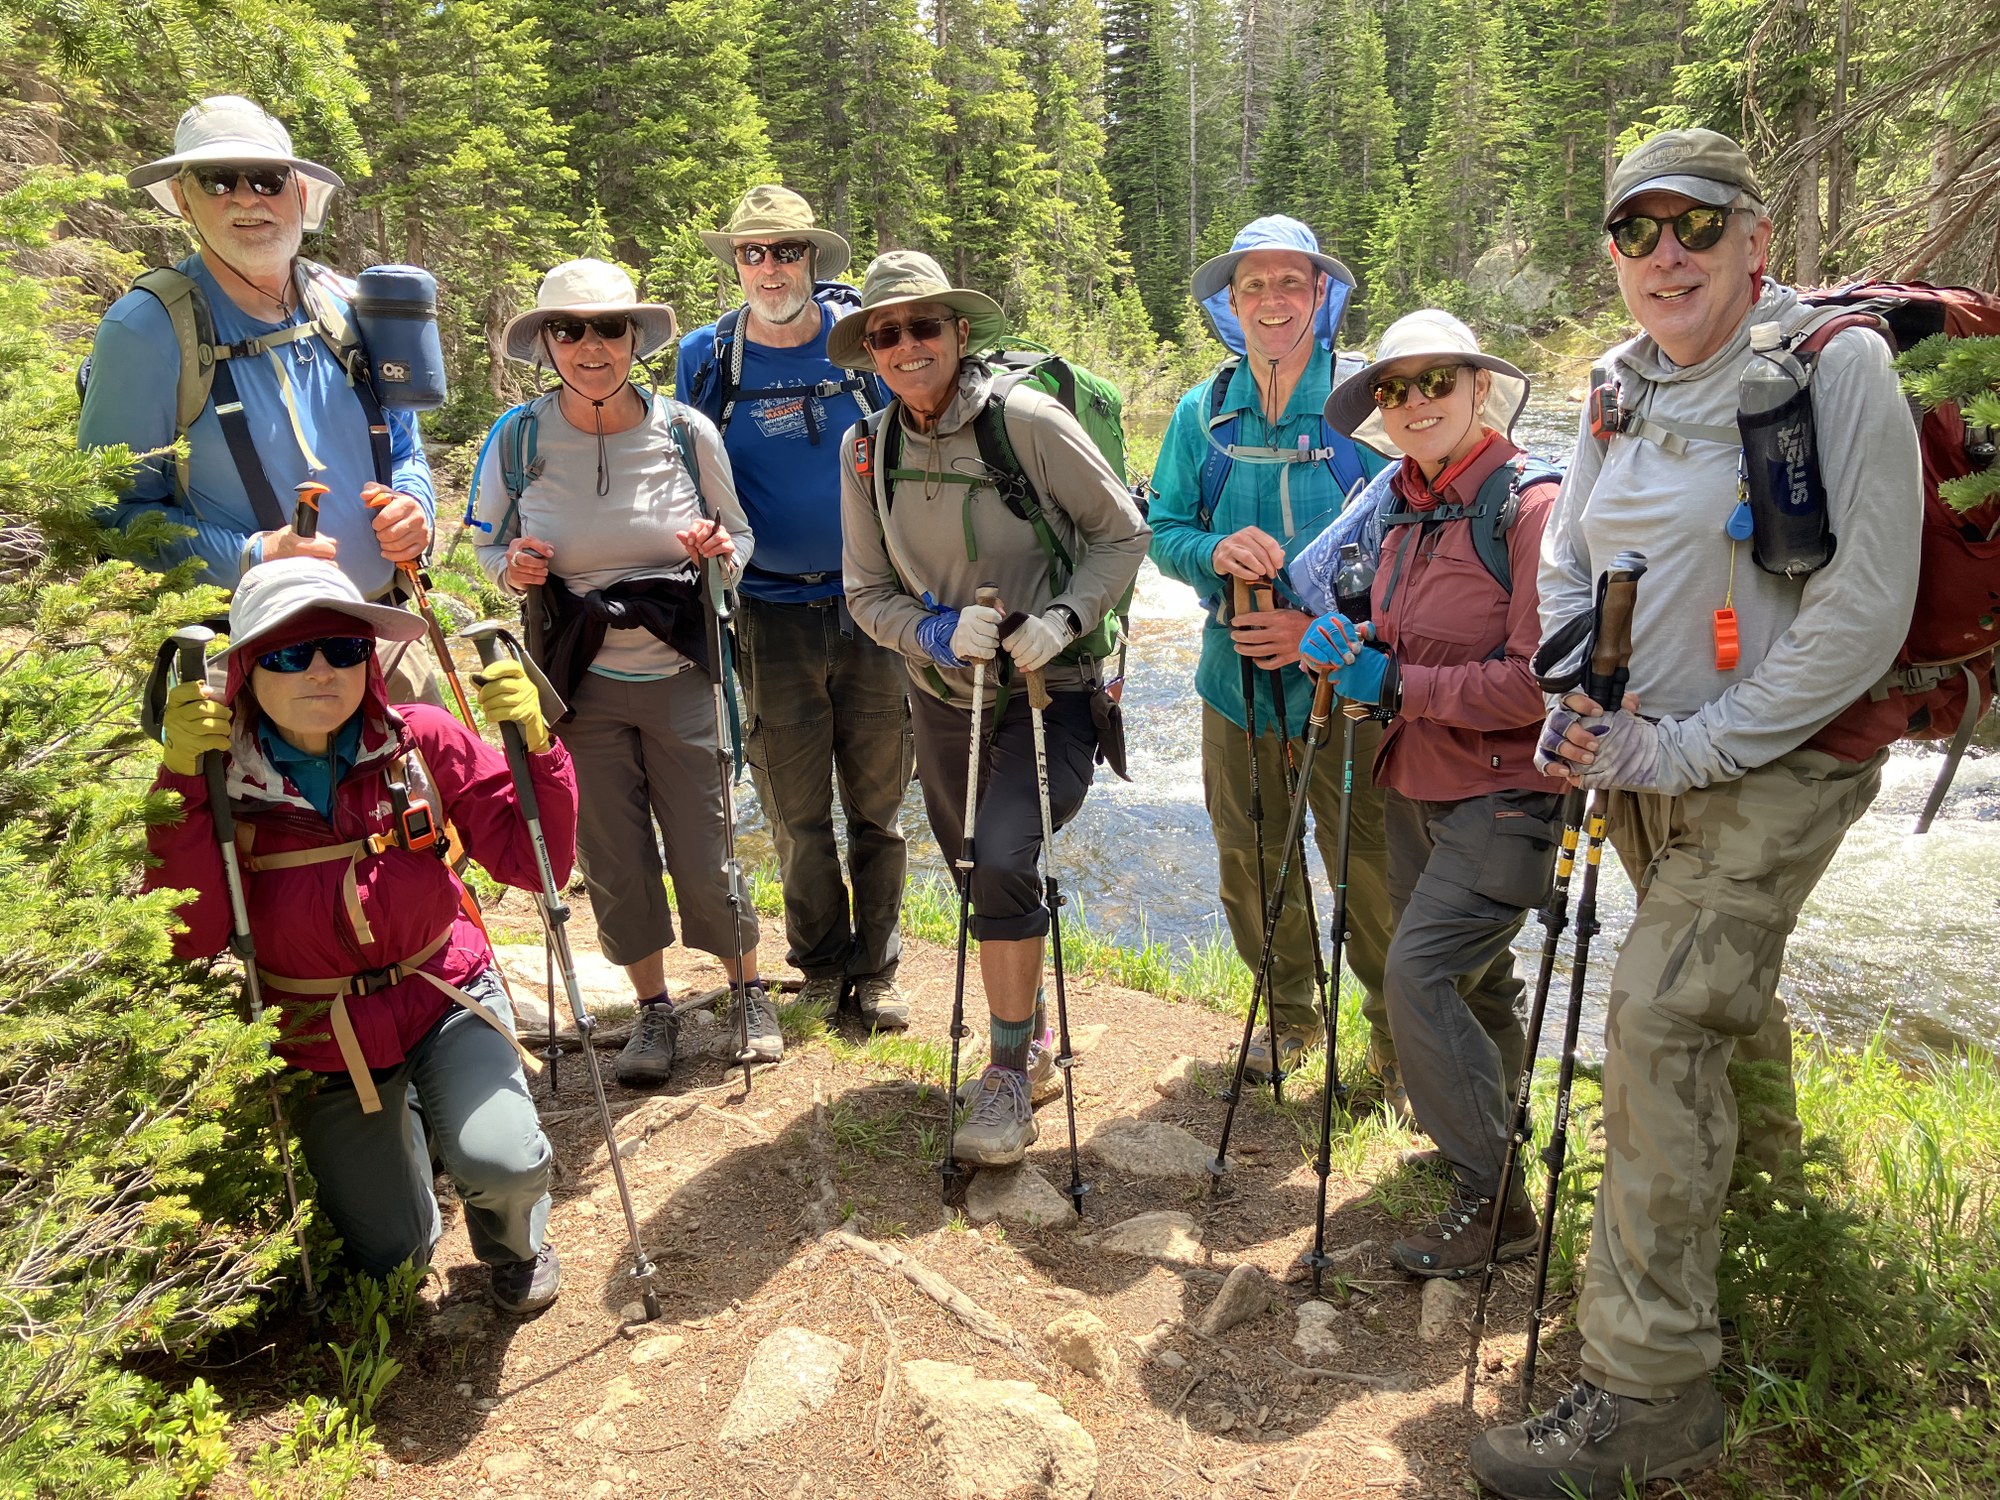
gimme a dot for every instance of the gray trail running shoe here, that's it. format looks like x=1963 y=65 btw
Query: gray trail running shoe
x=1591 y=1442
x=1454 y=1243
x=767 y=1038
x=648 y=1058
x=1000 y=1126
x=881 y=1005
x=526 y=1286
x=1044 y=1077
x=824 y=993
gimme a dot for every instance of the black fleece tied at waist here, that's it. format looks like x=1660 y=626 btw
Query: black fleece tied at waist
x=671 y=608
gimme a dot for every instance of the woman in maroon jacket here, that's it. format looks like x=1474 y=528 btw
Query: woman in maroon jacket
x=368 y=946
x=1471 y=824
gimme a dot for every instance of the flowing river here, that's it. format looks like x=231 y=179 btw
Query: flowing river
x=1902 y=926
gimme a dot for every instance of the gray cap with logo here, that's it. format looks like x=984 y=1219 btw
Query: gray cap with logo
x=1704 y=165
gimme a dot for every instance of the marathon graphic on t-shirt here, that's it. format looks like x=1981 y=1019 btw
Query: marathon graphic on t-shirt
x=785 y=416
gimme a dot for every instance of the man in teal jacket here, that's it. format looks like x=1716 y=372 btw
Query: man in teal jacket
x=1244 y=481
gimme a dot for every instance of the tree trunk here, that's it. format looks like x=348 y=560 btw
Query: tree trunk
x=1249 y=81
x=1805 y=204
x=1836 y=177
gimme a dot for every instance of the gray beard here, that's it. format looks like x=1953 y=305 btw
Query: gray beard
x=787 y=312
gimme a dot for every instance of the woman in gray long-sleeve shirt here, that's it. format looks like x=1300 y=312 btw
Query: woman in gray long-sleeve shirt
x=914 y=564
x=611 y=527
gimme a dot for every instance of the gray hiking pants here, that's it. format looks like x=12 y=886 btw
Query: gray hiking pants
x=1462 y=876
x=374 y=1171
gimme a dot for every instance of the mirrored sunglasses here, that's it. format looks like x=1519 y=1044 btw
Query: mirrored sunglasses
x=785 y=252
x=607 y=326
x=1696 y=229
x=220 y=182
x=1391 y=391
x=339 y=651
x=889 y=335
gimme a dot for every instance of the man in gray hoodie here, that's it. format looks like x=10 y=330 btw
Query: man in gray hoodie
x=1722 y=816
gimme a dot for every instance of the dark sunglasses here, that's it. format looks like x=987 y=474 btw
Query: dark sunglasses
x=785 y=252
x=339 y=651
x=1696 y=229
x=607 y=326
x=1392 y=391
x=889 y=335
x=220 y=182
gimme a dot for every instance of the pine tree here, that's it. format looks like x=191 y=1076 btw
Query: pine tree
x=996 y=178
x=1063 y=63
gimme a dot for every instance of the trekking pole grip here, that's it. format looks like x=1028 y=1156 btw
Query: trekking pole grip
x=1038 y=690
x=988 y=594
x=487 y=642
x=1611 y=655
x=1322 y=708
x=305 y=514
x=192 y=644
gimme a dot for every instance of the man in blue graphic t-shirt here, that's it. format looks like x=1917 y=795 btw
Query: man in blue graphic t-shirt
x=825 y=703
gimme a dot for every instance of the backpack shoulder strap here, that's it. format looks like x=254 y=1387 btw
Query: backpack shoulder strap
x=1218 y=432
x=329 y=297
x=682 y=432
x=1017 y=490
x=728 y=366
x=194 y=333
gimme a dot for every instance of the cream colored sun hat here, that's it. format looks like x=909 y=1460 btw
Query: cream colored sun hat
x=772 y=213
x=1351 y=408
x=583 y=288
x=229 y=128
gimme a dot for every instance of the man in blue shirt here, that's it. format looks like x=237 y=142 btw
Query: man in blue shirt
x=248 y=200
x=1276 y=300
x=825 y=703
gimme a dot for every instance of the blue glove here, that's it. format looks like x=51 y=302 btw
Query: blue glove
x=1331 y=641
x=1370 y=678
x=934 y=635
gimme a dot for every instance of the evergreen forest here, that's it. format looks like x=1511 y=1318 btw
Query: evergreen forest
x=1074 y=158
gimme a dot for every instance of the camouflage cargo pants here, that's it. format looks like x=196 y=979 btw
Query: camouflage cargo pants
x=1722 y=873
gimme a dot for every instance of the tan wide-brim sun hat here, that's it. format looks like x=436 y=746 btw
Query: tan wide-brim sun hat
x=228 y=128
x=772 y=214
x=899 y=278
x=581 y=289
x=1441 y=338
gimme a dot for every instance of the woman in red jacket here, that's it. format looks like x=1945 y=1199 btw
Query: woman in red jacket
x=1471 y=824
x=368 y=947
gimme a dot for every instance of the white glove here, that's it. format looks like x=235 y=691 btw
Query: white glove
x=1037 y=640
x=977 y=635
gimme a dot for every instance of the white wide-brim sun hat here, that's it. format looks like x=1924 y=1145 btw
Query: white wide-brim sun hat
x=1434 y=334
x=232 y=129
x=582 y=289
x=273 y=592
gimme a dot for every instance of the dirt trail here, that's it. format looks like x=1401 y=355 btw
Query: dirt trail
x=570 y=1404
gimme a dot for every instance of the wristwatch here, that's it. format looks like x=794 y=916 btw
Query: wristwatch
x=1069 y=616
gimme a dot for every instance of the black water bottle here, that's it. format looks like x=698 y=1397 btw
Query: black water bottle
x=1791 y=533
x=1353 y=583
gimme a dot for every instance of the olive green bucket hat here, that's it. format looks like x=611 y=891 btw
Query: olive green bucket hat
x=898 y=277
x=772 y=213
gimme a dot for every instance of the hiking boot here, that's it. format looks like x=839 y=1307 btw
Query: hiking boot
x=1454 y=1243
x=824 y=993
x=527 y=1286
x=648 y=1058
x=1044 y=1077
x=767 y=1038
x=881 y=1005
x=1292 y=1044
x=1591 y=1443
x=1000 y=1126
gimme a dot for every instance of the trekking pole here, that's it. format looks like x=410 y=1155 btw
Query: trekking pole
x=376 y=495
x=191 y=644
x=1330 y=1087
x=305 y=511
x=1273 y=908
x=488 y=637
x=1604 y=683
x=988 y=595
x=1243 y=600
x=1329 y=993
x=725 y=760
x=1554 y=917
x=1039 y=700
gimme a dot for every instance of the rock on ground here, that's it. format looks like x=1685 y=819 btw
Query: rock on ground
x=1083 y=1342
x=1151 y=1148
x=1440 y=1314
x=1018 y=1195
x=605 y=988
x=1000 y=1437
x=661 y=1346
x=1246 y=1294
x=1177 y=1079
x=1315 y=1333
x=1166 y=1235
x=791 y=1373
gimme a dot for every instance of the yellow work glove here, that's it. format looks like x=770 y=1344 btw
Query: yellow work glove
x=191 y=727
x=505 y=693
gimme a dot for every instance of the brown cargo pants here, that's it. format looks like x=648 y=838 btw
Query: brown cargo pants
x=1722 y=873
